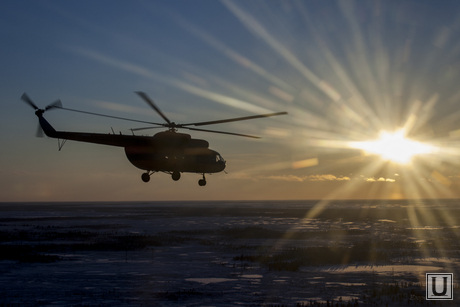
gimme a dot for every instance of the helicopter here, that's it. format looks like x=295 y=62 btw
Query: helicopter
x=169 y=151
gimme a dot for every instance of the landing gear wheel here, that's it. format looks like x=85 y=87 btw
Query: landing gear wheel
x=175 y=175
x=145 y=177
x=202 y=182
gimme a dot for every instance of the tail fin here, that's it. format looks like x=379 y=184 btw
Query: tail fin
x=46 y=126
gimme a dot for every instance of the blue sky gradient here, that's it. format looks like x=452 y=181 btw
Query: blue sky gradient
x=344 y=70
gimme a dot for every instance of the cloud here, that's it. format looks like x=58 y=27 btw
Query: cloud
x=120 y=64
x=321 y=177
x=118 y=107
x=380 y=179
x=305 y=163
x=287 y=178
x=149 y=74
x=327 y=177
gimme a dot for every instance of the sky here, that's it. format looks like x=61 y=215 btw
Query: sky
x=371 y=88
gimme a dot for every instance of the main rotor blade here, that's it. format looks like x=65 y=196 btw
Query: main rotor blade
x=109 y=116
x=223 y=132
x=29 y=101
x=233 y=119
x=153 y=105
x=146 y=128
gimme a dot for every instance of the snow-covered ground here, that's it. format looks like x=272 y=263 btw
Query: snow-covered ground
x=225 y=253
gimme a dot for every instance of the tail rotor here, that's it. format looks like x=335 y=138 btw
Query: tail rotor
x=29 y=101
x=55 y=105
x=39 y=112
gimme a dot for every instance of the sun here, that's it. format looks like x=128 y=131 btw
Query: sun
x=395 y=147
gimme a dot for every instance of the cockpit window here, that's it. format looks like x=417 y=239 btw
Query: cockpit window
x=219 y=158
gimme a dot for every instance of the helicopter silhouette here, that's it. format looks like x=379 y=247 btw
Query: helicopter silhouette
x=168 y=151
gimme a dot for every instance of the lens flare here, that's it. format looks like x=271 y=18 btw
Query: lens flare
x=395 y=147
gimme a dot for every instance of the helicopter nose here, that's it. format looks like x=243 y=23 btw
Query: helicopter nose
x=222 y=165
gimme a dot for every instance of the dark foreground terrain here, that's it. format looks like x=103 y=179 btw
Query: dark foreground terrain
x=349 y=253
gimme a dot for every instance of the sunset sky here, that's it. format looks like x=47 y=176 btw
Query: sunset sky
x=371 y=87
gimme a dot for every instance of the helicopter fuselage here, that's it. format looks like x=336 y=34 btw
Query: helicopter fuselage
x=171 y=151
x=166 y=151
